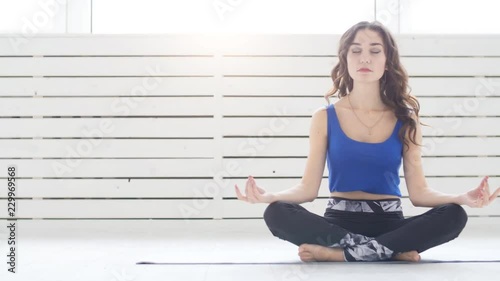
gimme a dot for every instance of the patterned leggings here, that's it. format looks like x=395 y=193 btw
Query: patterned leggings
x=367 y=230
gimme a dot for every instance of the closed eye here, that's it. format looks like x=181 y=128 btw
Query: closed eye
x=373 y=51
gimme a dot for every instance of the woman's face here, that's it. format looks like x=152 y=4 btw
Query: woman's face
x=366 y=57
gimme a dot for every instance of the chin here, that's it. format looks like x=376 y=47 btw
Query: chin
x=367 y=80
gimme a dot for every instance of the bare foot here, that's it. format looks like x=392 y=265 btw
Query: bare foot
x=312 y=252
x=407 y=256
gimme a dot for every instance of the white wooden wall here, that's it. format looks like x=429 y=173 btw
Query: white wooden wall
x=140 y=127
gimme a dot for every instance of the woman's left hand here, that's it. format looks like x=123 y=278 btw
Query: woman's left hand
x=480 y=196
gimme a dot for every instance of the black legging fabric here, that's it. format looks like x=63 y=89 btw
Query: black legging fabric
x=293 y=223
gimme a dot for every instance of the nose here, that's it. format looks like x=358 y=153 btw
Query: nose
x=365 y=59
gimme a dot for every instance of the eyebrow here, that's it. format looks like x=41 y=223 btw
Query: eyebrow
x=371 y=44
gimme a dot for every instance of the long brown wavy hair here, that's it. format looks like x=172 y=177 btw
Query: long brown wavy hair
x=394 y=89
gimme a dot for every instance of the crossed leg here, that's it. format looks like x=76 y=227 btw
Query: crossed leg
x=319 y=239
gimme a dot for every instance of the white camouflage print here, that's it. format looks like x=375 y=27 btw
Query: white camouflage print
x=358 y=247
x=363 y=206
x=391 y=206
x=370 y=251
x=352 y=239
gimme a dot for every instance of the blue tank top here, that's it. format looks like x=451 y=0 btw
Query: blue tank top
x=362 y=166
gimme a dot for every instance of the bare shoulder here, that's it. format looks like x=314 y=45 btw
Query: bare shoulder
x=320 y=111
x=320 y=115
x=342 y=106
x=319 y=119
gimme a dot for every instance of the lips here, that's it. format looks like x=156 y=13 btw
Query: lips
x=364 y=69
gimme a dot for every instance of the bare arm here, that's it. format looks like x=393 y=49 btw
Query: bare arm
x=307 y=189
x=420 y=193
x=423 y=196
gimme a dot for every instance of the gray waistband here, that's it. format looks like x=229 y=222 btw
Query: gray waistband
x=364 y=206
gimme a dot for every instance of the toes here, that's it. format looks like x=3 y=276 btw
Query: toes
x=306 y=257
x=303 y=248
x=415 y=256
x=408 y=256
x=305 y=253
x=418 y=258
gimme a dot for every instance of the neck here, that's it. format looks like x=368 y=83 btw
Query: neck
x=366 y=97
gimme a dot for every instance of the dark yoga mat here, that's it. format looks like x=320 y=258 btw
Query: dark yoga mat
x=300 y=262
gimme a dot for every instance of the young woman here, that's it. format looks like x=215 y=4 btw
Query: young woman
x=364 y=137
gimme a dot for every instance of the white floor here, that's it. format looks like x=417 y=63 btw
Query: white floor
x=109 y=249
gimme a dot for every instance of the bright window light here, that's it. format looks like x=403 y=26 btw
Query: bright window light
x=32 y=16
x=449 y=16
x=228 y=16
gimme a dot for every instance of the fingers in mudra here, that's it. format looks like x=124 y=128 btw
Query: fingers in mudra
x=484 y=196
x=252 y=192
x=240 y=196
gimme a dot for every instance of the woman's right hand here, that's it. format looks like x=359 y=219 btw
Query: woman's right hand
x=254 y=194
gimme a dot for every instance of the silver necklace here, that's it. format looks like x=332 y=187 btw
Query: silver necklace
x=369 y=127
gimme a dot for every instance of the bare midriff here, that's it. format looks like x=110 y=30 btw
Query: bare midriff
x=360 y=195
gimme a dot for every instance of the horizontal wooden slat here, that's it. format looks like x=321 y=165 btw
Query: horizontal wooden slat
x=319 y=86
x=437 y=66
x=106 y=86
x=77 y=45
x=229 y=86
x=118 y=106
x=271 y=106
x=108 y=127
x=238 y=44
x=180 y=209
x=240 y=209
x=460 y=126
x=453 y=86
x=231 y=106
x=294 y=167
x=272 y=147
x=108 y=66
x=277 y=66
x=299 y=126
x=467 y=106
x=251 y=147
x=447 y=44
x=109 y=148
x=275 y=86
x=314 y=66
x=110 y=168
x=409 y=45
x=200 y=188
x=121 y=188
x=463 y=146
x=305 y=106
x=266 y=127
